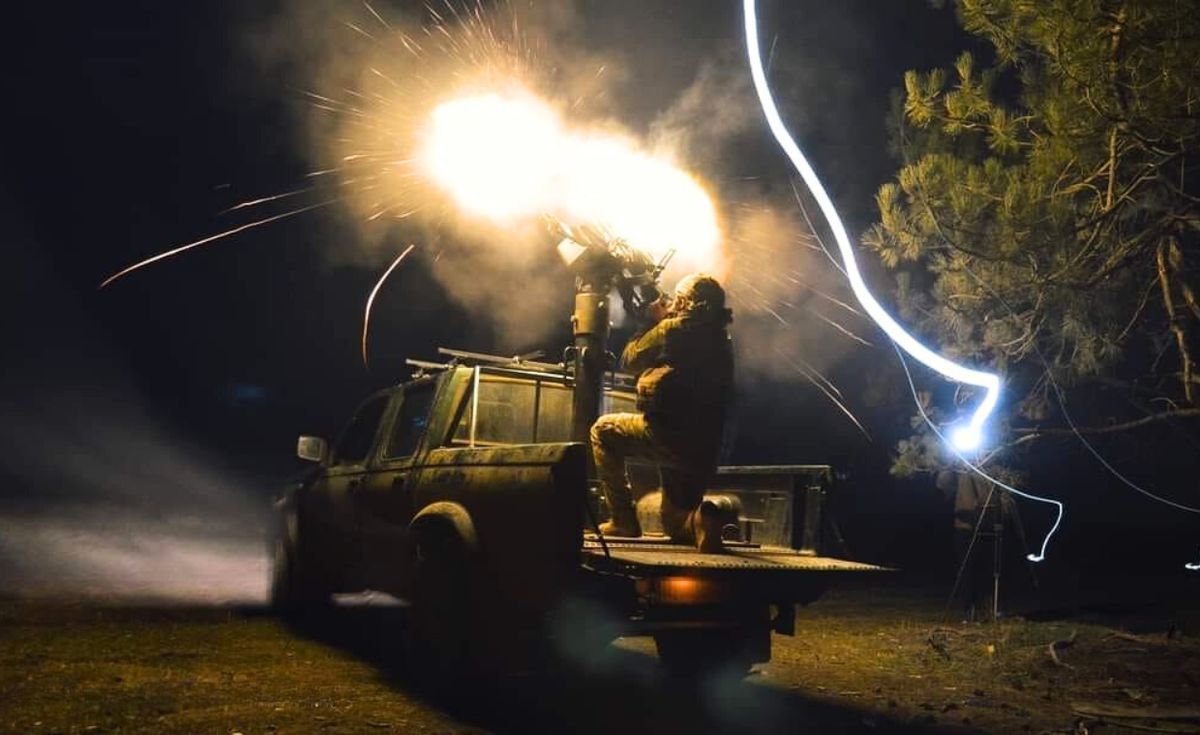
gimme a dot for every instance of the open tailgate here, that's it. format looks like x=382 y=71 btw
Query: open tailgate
x=655 y=555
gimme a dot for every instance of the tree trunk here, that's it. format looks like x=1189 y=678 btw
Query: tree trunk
x=1176 y=322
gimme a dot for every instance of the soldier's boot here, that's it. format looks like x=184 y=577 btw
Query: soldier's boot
x=716 y=518
x=707 y=522
x=624 y=522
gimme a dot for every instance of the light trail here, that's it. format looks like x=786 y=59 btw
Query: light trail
x=965 y=437
x=371 y=299
x=1058 y=504
x=1091 y=448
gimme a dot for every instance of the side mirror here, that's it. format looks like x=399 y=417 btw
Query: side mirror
x=312 y=449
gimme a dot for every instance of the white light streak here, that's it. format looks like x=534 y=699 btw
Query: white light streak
x=1041 y=555
x=963 y=438
x=967 y=437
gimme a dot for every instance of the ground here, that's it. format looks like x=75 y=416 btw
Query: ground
x=863 y=659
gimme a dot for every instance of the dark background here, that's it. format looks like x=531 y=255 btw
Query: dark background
x=133 y=124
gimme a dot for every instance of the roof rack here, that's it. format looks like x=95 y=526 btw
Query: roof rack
x=527 y=363
x=425 y=366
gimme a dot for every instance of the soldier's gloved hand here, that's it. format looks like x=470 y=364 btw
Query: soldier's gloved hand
x=656 y=310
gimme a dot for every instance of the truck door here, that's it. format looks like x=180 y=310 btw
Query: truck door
x=343 y=479
x=385 y=502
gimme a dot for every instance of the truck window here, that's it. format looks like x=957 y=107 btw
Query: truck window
x=524 y=411
x=411 y=422
x=618 y=403
x=505 y=412
x=554 y=414
x=554 y=410
x=355 y=441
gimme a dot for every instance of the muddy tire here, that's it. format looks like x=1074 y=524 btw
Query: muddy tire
x=442 y=624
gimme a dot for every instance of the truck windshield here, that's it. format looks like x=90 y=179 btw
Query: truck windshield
x=356 y=438
x=523 y=410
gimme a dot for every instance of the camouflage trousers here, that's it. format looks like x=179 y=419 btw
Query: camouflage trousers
x=685 y=461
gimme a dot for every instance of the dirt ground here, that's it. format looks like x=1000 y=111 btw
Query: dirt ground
x=863 y=660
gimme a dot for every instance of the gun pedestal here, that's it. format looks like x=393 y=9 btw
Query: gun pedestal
x=590 y=327
x=601 y=263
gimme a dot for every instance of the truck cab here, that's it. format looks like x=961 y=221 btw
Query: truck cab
x=462 y=493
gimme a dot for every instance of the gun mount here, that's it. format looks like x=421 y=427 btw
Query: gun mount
x=601 y=263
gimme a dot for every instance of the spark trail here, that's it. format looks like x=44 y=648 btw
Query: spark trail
x=965 y=438
x=371 y=299
x=212 y=238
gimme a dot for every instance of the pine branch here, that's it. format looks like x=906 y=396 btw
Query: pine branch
x=1182 y=413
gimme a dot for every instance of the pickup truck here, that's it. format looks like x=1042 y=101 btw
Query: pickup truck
x=461 y=493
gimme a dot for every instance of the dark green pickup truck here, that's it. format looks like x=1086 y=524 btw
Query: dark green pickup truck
x=461 y=493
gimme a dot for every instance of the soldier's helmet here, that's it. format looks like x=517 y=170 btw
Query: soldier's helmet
x=700 y=294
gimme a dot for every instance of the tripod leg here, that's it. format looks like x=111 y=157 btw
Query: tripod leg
x=997 y=558
x=968 y=569
x=1019 y=527
x=839 y=541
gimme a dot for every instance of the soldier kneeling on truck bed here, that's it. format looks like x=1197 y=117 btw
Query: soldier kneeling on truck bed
x=684 y=364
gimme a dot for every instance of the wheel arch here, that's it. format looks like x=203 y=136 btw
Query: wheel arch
x=445 y=515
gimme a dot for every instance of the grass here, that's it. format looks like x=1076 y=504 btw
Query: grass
x=79 y=669
x=900 y=657
x=860 y=660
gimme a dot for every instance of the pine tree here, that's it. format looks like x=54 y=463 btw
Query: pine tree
x=1045 y=219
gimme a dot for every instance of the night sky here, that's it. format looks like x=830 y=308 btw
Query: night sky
x=133 y=124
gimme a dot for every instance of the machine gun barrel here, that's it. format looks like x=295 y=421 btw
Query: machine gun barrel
x=606 y=262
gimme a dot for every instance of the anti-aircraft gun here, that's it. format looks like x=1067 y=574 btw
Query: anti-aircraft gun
x=601 y=264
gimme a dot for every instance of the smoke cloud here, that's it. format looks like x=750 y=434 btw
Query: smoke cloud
x=795 y=318
x=111 y=553
x=370 y=76
x=715 y=111
x=97 y=495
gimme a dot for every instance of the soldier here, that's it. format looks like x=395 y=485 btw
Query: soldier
x=684 y=364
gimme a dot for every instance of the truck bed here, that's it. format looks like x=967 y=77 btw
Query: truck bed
x=671 y=581
x=655 y=555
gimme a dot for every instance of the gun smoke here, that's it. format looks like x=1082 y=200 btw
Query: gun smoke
x=793 y=320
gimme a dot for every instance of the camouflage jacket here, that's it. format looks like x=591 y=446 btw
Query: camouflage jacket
x=685 y=371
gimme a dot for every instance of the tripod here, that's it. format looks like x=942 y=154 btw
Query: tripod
x=997 y=511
